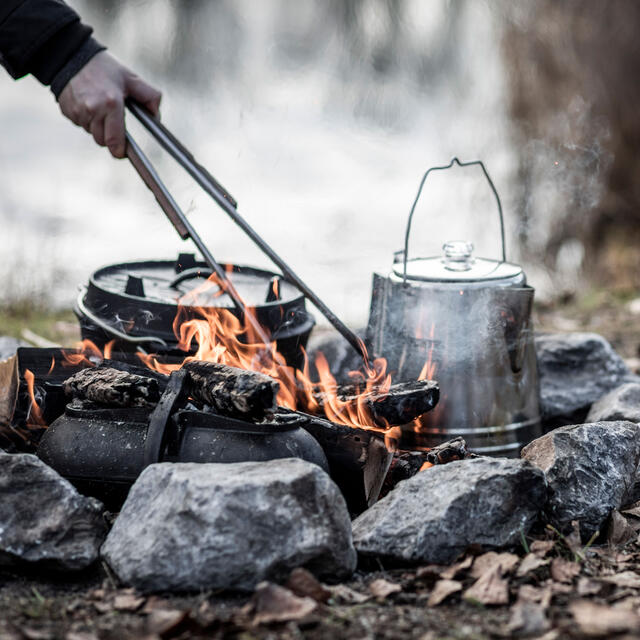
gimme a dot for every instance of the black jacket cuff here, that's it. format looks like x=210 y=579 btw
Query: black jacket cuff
x=87 y=50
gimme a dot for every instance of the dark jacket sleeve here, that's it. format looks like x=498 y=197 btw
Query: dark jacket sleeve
x=46 y=39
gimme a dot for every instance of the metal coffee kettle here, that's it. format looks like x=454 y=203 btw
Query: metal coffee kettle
x=466 y=322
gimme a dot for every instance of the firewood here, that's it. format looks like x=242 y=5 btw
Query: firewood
x=232 y=392
x=107 y=386
x=406 y=464
x=404 y=401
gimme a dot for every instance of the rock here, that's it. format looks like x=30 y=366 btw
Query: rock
x=622 y=403
x=9 y=346
x=435 y=515
x=190 y=526
x=576 y=370
x=43 y=520
x=590 y=470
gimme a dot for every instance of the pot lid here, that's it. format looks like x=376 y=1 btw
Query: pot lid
x=457 y=264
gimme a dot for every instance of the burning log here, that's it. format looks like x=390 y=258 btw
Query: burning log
x=232 y=392
x=401 y=404
x=358 y=458
x=406 y=464
x=108 y=386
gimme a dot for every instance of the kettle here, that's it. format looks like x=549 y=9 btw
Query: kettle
x=465 y=321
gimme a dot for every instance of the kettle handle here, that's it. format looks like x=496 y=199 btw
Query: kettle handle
x=415 y=202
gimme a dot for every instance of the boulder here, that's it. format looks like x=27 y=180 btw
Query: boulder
x=576 y=370
x=187 y=527
x=622 y=403
x=590 y=469
x=44 y=521
x=435 y=515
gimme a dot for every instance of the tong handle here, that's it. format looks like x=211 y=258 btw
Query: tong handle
x=152 y=180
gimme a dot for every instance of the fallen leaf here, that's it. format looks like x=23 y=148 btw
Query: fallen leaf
x=541 y=547
x=619 y=531
x=382 y=588
x=628 y=579
x=601 y=621
x=487 y=561
x=528 y=619
x=540 y=595
x=490 y=588
x=304 y=584
x=442 y=590
x=588 y=587
x=564 y=570
x=128 y=602
x=80 y=635
x=155 y=602
x=430 y=571
x=166 y=621
x=102 y=606
x=37 y=634
x=632 y=510
x=574 y=540
x=451 y=572
x=273 y=603
x=347 y=595
x=530 y=563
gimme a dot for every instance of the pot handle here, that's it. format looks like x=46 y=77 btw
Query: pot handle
x=415 y=202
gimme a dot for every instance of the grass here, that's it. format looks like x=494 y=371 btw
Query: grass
x=53 y=324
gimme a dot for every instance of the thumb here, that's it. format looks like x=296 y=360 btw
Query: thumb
x=144 y=93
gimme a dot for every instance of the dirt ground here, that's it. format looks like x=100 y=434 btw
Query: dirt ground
x=552 y=588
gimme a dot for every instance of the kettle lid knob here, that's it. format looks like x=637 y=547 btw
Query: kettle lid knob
x=458 y=255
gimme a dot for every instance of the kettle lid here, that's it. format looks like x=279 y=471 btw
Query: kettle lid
x=457 y=264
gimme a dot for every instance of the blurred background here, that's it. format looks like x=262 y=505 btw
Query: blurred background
x=320 y=117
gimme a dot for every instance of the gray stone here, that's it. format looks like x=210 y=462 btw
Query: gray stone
x=435 y=515
x=622 y=403
x=44 y=521
x=186 y=527
x=590 y=470
x=9 y=346
x=576 y=370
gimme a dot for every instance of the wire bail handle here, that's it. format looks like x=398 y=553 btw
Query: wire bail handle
x=415 y=202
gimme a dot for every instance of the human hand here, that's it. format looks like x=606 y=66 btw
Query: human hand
x=94 y=100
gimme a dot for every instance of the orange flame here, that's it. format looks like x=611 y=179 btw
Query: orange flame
x=34 y=417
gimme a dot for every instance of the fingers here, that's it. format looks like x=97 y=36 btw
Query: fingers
x=144 y=93
x=114 y=130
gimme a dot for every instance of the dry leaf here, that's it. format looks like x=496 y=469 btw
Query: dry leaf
x=451 y=572
x=530 y=563
x=487 y=561
x=601 y=621
x=37 y=634
x=588 y=587
x=80 y=635
x=490 y=588
x=165 y=621
x=528 y=619
x=430 y=571
x=542 y=547
x=540 y=595
x=564 y=570
x=442 y=590
x=128 y=602
x=628 y=579
x=381 y=588
x=574 y=540
x=347 y=595
x=632 y=510
x=619 y=531
x=304 y=584
x=273 y=603
x=155 y=602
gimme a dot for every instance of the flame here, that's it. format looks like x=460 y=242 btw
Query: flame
x=426 y=465
x=34 y=417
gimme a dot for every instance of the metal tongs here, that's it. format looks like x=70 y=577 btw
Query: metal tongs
x=224 y=199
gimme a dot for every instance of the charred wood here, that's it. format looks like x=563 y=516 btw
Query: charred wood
x=111 y=387
x=406 y=464
x=230 y=391
x=404 y=401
